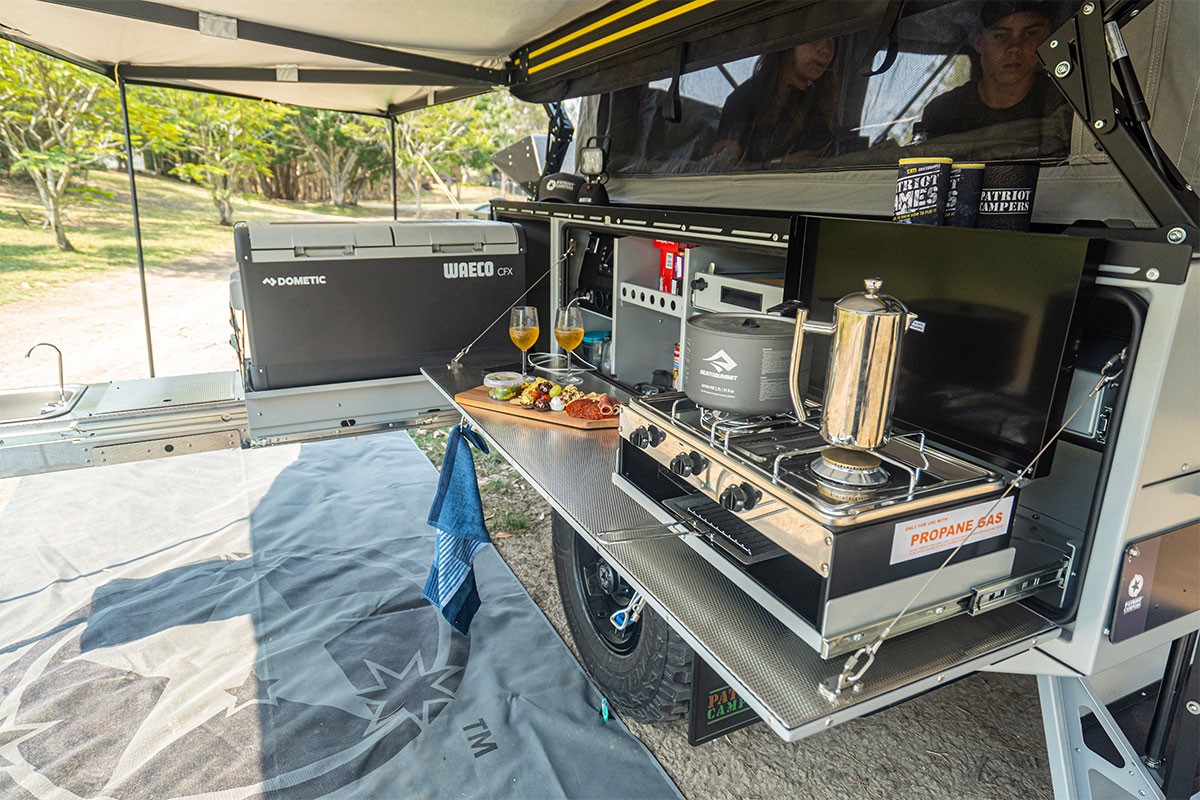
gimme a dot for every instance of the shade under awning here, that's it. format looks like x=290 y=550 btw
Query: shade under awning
x=368 y=56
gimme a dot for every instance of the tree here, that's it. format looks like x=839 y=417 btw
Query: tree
x=230 y=139
x=425 y=136
x=344 y=147
x=282 y=182
x=53 y=125
x=155 y=129
x=461 y=134
x=497 y=120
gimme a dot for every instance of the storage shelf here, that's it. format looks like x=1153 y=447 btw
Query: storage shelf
x=670 y=304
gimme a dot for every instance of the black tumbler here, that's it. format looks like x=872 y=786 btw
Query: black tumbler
x=921 y=188
x=1006 y=202
x=962 y=202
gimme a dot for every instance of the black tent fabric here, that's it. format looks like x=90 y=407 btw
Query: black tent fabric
x=250 y=623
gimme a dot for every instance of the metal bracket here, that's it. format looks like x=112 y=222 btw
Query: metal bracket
x=1076 y=57
x=1065 y=701
x=559 y=141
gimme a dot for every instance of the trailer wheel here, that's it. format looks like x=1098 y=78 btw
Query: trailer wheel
x=646 y=670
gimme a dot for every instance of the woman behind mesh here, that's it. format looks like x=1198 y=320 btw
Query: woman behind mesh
x=785 y=112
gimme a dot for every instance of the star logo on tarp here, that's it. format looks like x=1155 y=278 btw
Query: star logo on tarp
x=412 y=693
x=1135 y=585
x=253 y=691
x=721 y=361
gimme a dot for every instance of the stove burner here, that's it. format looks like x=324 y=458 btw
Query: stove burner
x=843 y=467
x=843 y=494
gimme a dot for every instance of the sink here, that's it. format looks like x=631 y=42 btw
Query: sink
x=31 y=405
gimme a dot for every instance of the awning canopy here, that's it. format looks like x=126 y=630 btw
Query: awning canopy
x=370 y=56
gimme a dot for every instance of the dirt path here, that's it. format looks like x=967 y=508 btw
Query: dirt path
x=97 y=323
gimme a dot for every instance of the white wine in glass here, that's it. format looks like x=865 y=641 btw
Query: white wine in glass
x=568 y=331
x=523 y=330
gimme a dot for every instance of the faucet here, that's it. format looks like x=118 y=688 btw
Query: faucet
x=62 y=392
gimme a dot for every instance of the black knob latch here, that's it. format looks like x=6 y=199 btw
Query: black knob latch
x=686 y=464
x=733 y=498
x=640 y=437
x=740 y=497
x=656 y=435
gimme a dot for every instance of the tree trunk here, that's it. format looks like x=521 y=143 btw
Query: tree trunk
x=224 y=209
x=416 y=187
x=60 y=234
x=337 y=189
x=222 y=197
x=284 y=181
x=52 y=203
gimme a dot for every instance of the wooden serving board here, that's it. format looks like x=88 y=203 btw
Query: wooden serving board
x=478 y=398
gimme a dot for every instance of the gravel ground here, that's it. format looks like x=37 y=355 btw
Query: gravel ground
x=980 y=738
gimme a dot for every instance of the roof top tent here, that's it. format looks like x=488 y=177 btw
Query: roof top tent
x=1090 y=586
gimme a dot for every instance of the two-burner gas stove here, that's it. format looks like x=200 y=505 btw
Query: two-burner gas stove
x=834 y=542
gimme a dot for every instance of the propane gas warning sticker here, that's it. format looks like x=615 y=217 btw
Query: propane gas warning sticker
x=945 y=530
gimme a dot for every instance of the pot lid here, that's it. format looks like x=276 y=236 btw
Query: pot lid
x=871 y=301
x=749 y=325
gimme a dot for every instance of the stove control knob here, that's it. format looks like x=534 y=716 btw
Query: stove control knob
x=657 y=435
x=639 y=437
x=740 y=497
x=686 y=464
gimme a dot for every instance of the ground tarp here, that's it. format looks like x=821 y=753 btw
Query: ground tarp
x=250 y=623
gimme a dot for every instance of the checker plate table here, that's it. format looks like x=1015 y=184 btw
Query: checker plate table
x=772 y=668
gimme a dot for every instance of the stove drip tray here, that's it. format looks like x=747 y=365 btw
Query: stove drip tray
x=724 y=529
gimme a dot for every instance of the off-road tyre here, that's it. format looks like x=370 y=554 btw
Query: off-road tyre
x=648 y=678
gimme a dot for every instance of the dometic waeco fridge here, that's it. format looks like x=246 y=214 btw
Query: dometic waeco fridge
x=334 y=302
x=340 y=317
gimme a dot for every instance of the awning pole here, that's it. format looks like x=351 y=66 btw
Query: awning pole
x=137 y=224
x=395 y=199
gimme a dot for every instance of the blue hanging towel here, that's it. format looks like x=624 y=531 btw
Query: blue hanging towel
x=457 y=513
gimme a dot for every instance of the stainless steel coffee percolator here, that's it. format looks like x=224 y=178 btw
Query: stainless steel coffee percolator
x=864 y=359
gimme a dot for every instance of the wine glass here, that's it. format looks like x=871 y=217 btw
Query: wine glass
x=568 y=330
x=523 y=330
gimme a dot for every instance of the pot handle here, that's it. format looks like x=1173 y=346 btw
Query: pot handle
x=794 y=364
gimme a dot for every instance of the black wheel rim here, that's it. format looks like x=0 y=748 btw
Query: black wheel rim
x=604 y=592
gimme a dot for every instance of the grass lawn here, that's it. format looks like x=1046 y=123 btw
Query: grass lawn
x=178 y=222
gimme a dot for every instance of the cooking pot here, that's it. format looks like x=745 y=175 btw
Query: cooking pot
x=738 y=363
